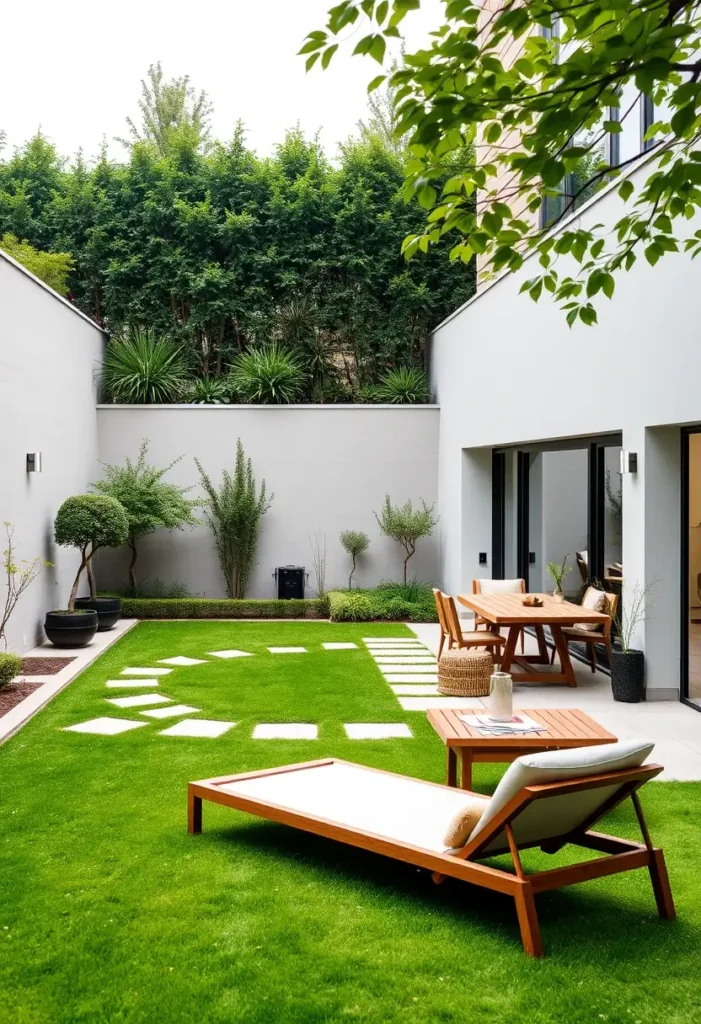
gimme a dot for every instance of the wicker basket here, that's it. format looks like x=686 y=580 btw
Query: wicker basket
x=465 y=673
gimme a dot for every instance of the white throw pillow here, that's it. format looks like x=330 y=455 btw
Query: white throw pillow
x=500 y=586
x=595 y=601
x=559 y=765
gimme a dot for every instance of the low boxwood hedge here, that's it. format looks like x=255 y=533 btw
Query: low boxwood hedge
x=379 y=604
x=208 y=608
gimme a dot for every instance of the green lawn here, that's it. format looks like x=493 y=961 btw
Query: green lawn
x=109 y=911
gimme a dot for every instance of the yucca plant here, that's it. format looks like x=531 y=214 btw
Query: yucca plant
x=267 y=376
x=144 y=369
x=405 y=386
x=209 y=391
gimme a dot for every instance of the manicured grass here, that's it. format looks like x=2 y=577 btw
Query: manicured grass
x=109 y=911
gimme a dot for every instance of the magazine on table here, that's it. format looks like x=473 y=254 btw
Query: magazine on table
x=519 y=723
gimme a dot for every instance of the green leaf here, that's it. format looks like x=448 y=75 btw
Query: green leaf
x=683 y=119
x=381 y=13
x=377 y=82
x=626 y=189
x=311 y=61
x=377 y=48
x=328 y=54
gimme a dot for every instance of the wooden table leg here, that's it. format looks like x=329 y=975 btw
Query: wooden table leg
x=194 y=813
x=452 y=767
x=510 y=648
x=544 y=656
x=466 y=774
x=566 y=667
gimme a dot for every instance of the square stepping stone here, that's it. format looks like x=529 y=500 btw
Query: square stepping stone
x=398 y=648
x=146 y=671
x=122 y=684
x=289 y=731
x=181 y=660
x=402 y=678
x=408 y=691
x=452 y=703
x=171 y=711
x=230 y=654
x=426 y=667
x=340 y=647
x=391 y=641
x=379 y=731
x=417 y=659
x=105 y=726
x=199 y=727
x=141 y=701
x=287 y=650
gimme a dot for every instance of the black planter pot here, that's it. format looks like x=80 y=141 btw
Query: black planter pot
x=628 y=676
x=70 y=629
x=108 y=610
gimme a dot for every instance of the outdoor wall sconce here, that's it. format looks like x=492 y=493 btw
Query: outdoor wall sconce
x=34 y=462
x=629 y=462
x=483 y=557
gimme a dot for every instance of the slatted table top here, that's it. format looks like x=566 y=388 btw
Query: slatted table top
x=566 y=727
x=509 y=609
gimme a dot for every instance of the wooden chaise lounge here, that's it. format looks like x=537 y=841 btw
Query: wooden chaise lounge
x=543 y=800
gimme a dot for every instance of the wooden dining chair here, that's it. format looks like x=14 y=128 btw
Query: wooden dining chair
x=592 y=637
x=442 y=621
x=457 y=637
x=498 y=587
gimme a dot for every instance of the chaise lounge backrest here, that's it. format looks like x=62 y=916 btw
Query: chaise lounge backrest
x=556 y=814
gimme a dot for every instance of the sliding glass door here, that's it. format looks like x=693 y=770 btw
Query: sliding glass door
x=691 y=568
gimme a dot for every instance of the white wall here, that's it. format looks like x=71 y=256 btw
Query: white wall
x=506 y=370
x=48 y=356
x=329 y=467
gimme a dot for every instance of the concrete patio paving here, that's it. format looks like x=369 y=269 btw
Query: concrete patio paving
x=674 y=727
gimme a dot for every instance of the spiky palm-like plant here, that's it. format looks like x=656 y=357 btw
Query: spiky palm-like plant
x=209 y=391
x=268 y=376
x=144 y=369
x=405 y=386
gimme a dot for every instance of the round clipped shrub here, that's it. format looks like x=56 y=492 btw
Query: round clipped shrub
x=356 y=608
x=10 y=666
x=398 y=610
x=91 y=519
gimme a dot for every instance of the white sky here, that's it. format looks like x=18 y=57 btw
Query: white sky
x=74 y=68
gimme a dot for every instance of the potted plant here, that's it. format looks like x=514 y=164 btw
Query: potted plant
x=87 y=522
x=19 y=574
x=628 y=664
x=558 y=573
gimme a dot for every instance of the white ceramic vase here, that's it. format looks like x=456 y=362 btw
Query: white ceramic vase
x=501 y=697
x=558 y=596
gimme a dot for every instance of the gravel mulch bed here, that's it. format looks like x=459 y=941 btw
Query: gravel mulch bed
x=14 y=694
x=43 y=666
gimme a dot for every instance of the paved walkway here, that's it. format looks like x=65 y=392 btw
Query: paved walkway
x=674 y=727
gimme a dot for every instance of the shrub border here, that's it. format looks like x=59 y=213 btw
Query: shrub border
x=224 y=608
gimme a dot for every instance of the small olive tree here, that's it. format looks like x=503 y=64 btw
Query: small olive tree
x=19 y=574
x=89 y=522
x=233 y=509
x=355 y=542
x=406 y=524
x=150 y=503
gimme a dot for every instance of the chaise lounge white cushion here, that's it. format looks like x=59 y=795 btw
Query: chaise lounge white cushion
x=500 y=586
x=558 y=815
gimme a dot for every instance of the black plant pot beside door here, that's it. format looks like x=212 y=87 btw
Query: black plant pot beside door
x=628 y=676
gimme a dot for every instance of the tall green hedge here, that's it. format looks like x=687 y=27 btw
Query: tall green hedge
x=206 y=608
x=379 y=604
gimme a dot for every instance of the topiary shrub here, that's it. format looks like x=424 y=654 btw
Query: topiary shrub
x=89 y=522
x=10 y=666
x=353 y=607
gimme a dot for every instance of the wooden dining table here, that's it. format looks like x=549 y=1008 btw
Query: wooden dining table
x=509 y=610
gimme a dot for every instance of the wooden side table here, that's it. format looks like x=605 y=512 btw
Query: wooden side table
x=566 y=727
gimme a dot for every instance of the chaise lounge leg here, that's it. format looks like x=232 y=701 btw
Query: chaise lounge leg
x=661 y=887
x=194 y=813
x=528 y=921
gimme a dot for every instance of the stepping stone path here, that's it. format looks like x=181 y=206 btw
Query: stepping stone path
x=340 y=647
x=388 y=670
x=287 y=650
x=105 y=726
x=200 y=727
x=171 y=712
x=230 y=654
x=378 y=731
x=292 y=731
x=451 y=703
x=401 y=677
x=143 y=700
x=413 y=691
x=146 y=671
x=181 y=660
x=121 y=684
